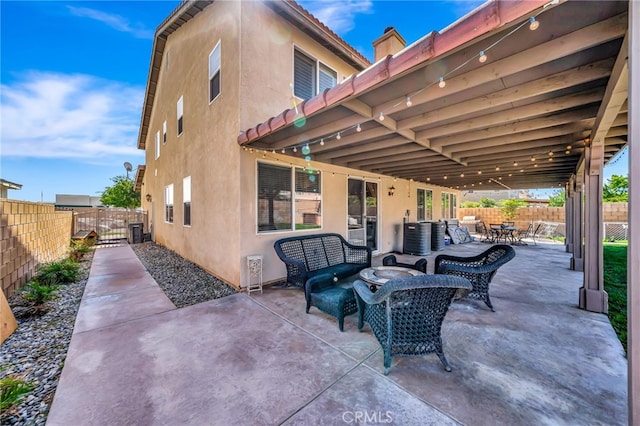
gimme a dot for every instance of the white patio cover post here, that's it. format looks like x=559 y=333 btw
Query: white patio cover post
x=592 y=295
x=633 y=254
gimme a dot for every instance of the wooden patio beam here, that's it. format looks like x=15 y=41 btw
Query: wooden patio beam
x=557 y=48
x=538 y=109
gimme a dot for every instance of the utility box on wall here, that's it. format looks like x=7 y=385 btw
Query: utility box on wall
x=135 y=233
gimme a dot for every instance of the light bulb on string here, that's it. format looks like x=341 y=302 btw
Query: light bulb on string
x=295 y=149
x=338 y=136
x=550 y=153
x=568 y=147
x=409 y=103
x=567 y=152
x=461 y=175
x=273 y=151
x=535 y=166
x=282 y=150
x=515 y=164
x=321 y=142
x=533 y=158
x=497 y=168
x=483 y=57
x=442 y=83
x=445 y=177
x=550 y=158
x=533 y=24
x=479 y=172
x=358 y=128
x=381 y=116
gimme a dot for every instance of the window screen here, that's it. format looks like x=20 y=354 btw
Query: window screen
x=304 y=75
x=186 y=200
x=157 y=145
x=180 y=114
x=308 y=199
x=328 y=78
x=274 y=197
x=168 y=203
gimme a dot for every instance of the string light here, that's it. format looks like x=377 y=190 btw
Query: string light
x=461 y=175
x=445 y=177
x=535 y=165
x=550 y=153
x=550 y=158
x=497 y=168
x=273 y=151
x=568 y=146
x=521 y=170
x=515 y=164
x=533 y=24
x=479 y=172
x=567 y=152
x=533 y=158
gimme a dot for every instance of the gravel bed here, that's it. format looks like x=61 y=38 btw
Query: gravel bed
x=185 y=283
x=36 y=351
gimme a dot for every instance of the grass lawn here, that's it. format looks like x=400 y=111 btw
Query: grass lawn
x=615 y=284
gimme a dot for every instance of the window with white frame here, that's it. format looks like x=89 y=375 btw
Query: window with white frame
x=180 y=115
x=444 y=205
x=186 y=201
x=289 y=198
x=157 y=145
x=164 y=132
x=214 y=73
x=310 y=76
x=425 y=204
x=168 y=203
x=449 y=205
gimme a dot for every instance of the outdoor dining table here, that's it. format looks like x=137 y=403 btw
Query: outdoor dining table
x=379 y=275
x=504 y=232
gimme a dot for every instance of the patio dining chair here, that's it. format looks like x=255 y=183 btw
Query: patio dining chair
x=406 y=314
x=479 y=269
x=486 y=234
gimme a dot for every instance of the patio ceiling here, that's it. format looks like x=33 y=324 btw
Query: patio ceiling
x=494 y=124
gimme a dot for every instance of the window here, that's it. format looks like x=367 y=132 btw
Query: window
x=186 y=200
x=168 y=203
x=157 y=145
x=444 y=206
x=311 y=77
x=214 y=73
x=449 y=206
x=164 y=132
x=285 y=190
x=179 y=114
x=328 y=78
x=425 y=204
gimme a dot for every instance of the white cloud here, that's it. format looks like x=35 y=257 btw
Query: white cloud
x=49 y=115
x=339 y=15
x=116 y=22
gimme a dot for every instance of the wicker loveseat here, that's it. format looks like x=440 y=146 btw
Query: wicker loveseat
x=310 y=255
x=406 y=314
x=318 y=263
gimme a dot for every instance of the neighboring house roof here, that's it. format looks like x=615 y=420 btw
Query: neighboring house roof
x=488 y=124
x=288 y=9
x=9 y=185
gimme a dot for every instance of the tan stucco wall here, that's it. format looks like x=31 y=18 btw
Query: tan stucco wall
x=257 y=69
x=207 y=150
x=30 y=234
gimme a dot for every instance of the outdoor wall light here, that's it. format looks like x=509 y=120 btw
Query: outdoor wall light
x=148 y=197
x=392 y=190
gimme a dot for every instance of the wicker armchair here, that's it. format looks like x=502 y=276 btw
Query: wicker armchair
x=420 y=265
x=478 y=269
x=406 y=314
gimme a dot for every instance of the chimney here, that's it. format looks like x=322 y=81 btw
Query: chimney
x=390 y=43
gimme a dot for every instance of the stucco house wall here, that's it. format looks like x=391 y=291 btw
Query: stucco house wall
x=257 y=70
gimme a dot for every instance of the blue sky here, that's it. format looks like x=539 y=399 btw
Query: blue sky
x=73 y=74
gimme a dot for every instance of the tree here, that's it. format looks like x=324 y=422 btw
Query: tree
x=121 y=194
x=557 y=199
x=487 y=202
x=509 y=208
x=616 y=189
x=469 y=204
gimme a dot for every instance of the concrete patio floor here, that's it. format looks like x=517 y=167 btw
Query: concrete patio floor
x=136 y=359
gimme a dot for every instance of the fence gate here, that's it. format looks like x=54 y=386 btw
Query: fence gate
x=111 y=225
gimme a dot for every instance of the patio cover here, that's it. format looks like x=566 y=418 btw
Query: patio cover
x=521 y=119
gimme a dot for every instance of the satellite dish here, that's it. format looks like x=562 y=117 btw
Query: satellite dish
x=127 y=166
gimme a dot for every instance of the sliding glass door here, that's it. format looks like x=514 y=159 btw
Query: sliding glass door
x=362 y=213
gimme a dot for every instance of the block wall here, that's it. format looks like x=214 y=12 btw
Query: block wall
x=30 y=234
x=613 y=212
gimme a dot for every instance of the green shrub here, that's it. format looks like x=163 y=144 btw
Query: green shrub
x=38 y=293
x=78 y=249
x=12 y=390
x=58 y=272
x=469 y=204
